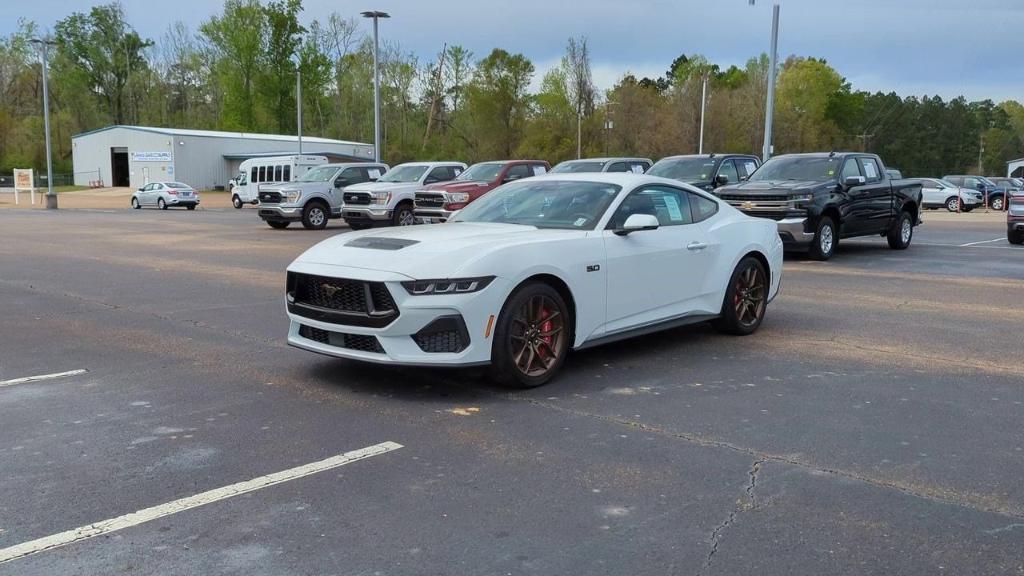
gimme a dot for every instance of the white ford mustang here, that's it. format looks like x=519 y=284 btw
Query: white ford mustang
x=533 y=269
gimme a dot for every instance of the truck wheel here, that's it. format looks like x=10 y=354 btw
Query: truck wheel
x=952 y=204
x=236 y=202
x=278 y=224
x=746 y=299
x=996 y=203
x=825 y=240
x=902 y=232
x=532 y=337
x=403 y=216
x=314 y=216
x=1015 y=236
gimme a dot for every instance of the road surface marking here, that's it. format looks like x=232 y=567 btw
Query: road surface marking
x=189 y=502
x=41 y=377
x=1000 y=239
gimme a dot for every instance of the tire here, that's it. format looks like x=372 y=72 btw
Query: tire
x=532 y=336
x=161 y=204
x=996 y=203
x=1015 y=237
x=746 y=299
x=236 y=202
x=314 y=216
x=825 y=239
x=403 y=216
x=952 y=203
x=135 y=203
x=191 y=206
x=278 y=224
x=902 y=233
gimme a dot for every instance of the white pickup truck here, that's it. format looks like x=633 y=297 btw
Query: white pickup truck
x=389 y=200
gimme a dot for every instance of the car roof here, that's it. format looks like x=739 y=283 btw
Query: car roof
x=609 y=159
x=624 y=179
x=351 y=164
x=432 y=163
x=708 y=156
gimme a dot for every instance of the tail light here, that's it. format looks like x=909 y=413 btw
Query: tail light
x=172 y=192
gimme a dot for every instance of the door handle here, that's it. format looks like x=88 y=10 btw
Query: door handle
x=696 y=246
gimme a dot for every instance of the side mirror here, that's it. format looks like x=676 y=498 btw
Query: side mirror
x=341 y=182
x=140 y=189
x=721 y=179
x=637 y=223
x=431 y=180
x=852 y=181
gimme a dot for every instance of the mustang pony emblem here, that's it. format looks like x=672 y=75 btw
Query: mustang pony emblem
x=329 y=290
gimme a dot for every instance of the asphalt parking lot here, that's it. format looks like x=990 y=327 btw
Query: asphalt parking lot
x=872 y=426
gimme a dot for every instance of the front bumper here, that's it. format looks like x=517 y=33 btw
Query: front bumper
x=435 y=216
x=365 y=214
x=280 y=212
x=793 y=231
x=401 y=342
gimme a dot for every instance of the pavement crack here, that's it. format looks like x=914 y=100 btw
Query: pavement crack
x=741 y=506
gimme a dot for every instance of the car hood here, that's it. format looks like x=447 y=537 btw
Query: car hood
x=425 y=251
x=384 y=187
x=301 y=186
x=459 y=186
x=772 y=187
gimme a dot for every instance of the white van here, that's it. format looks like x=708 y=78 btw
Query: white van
x=270 y=170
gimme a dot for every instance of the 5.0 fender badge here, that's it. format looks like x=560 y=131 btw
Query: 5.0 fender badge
x=593 y=268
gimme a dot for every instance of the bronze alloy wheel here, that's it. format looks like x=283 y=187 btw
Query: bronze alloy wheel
x=538 y=336
x=750 y=295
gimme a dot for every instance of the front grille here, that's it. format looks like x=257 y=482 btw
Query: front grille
x=429 y=200
x=358 y=342
x=752 y=198
x=270 y=197
x=445 y=334
x=359 y=198
x=341 y=301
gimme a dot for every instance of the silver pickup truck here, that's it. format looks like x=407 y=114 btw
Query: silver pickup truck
x=389 y=200
x=316 y=197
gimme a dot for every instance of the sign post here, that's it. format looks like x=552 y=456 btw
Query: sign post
x=23 y=181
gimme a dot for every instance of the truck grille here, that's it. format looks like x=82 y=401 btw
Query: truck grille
x=739 y=198
x=341 y=301
x=429 y=200
x=270 y=197
x=358 y=342
x=359 y=198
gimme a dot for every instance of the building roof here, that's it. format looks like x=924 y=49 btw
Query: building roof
x=219 y=134
x=1015 y=161
x=248 y=155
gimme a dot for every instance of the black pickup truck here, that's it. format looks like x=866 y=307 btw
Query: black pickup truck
x=819 y=198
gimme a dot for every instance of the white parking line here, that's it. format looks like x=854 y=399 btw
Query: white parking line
x=1000 y=239
x=187 y=503
x=41 y=377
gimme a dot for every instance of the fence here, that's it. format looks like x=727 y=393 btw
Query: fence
x=68 y=179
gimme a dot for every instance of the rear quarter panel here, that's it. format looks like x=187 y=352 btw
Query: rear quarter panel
x=734 y=235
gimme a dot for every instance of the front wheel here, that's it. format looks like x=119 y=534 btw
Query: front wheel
x=278 y=224
x=161 y=204
x=236 y=202
x=952 y=204
x=902 y=233
x=997 y=203
x=532 y=337
x=314 y=216
x=135 y=203
x=403 y=216
x=825 y=239
x=746 y=299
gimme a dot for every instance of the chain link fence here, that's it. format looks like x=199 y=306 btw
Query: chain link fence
x=66 y=179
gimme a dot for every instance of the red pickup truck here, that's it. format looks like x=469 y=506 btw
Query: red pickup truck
x=437 y=202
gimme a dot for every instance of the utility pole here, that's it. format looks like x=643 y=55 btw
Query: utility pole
x=376 y=15
x=773 y=63
x=864 y=140
x=703 y=107
x=298 y=100
x=579 y=134
x=44 y=44
x=981 y=153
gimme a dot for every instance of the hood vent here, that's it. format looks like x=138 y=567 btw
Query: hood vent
x=375 y=243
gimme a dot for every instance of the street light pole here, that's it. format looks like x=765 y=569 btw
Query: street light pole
x=376 y=15
x=773 y=62
x=51 y=198
x=579 y=134
x=703 y=107
x=298 y=101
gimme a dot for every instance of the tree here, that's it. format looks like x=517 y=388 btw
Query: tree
x=237 y=36
x=499 y=102
x=277 y=79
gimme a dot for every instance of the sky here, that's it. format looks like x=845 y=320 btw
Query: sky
x=949 y=48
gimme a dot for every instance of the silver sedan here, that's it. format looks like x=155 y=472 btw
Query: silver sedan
x=163 y=195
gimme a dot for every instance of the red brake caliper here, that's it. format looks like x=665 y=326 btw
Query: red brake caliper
x=546 y=326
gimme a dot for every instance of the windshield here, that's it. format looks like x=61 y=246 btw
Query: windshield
x=554 y=204
x=178 y=185
x=575 y=167
x=321 y=174
x=485 y=172
x=814 y=168
x=403 y=174
x=987 y=182
x=684 y=169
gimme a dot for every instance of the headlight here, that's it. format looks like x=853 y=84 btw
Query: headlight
x=802 y=198
x=292 y=195
x=446 y=286
x=457 y=197
x=380 y=198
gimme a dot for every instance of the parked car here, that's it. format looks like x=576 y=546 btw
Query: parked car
x=992 y=196
x=532 y=270
x=707 y=171
x=634 y=165
x=937 y=193
x=315 y=197
x=437 y=202
x=389 y=200
x=1015 y=219
x=1008 y=186
x=269 y=170
x=164 y=195
x=816 y=199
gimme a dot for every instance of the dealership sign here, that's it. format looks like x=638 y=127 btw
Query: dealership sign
x=152 y=157
x=23 y=181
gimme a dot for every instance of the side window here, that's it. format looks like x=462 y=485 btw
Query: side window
x=871 y=171
x=745 y=167
x=354 y=176
x=641 y=167
x=618 y=167
x=440 y=174
x=263 y=174
x=519 y=171
x=670 y=205
x=729 y=169
x=253 y=177
x=277 y=173
x=701 y=207
x=286 y=174
x=850 y=168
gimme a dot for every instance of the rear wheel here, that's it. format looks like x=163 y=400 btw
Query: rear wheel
x=236 y=202
x=952 y=204
x=278 y=224
x=996 y=203
x=314 y=216
x=403 y=215
x=135 y=203
x=825 y=239
x=902 y=232
x=1015 y=236
x=746 y=299
x=532 y=337
x=161 y=204
x=191 y=206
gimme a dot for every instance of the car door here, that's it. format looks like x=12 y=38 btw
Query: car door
x=878 y=191
x=932 y=193
x=728 y=169
x=154 y=193
x=654 y=275
x=855 y=208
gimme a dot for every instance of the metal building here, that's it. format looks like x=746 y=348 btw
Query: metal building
x=205 y=159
